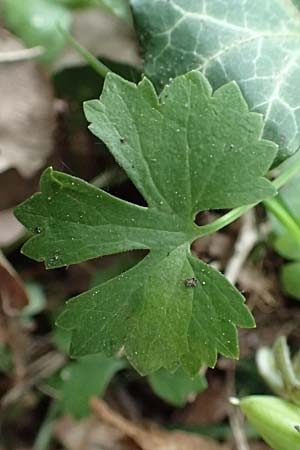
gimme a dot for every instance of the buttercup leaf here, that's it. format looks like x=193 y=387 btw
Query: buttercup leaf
x=186 y=151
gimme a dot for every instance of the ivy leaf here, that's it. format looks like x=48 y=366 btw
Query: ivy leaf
x=187 y=151
x=252 y=42
x=176 y=388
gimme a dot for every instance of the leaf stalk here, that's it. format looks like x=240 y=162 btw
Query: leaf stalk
x=92 y=61
x=272 y=204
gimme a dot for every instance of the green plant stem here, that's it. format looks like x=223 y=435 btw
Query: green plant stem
x=236 y=213
x=286 y=175
x=279 y=211
x=91 y=60
x=43 y=438
x=223 y=221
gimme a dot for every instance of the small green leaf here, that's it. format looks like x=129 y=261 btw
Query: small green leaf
x=287 y=246
x=256 y=43
x=37 y=22
x=285 y=243
x=290 y=278
x=176 y=388
x=86 y=377
x=187 y=151
x=277 y=421
x=61 y=338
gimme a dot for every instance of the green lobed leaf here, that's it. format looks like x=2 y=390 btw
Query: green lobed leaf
x=187 y=151
x=253 y=42
x=37 y=22
x=176 y=388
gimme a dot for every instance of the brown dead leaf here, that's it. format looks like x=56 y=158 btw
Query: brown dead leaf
x=261 y=289
x=259 y=446
x=10 y=228
x=88 y=434
x=26 y=112
x=14 y=188
x=12 y=291
x=108 y=37
x=151 y=437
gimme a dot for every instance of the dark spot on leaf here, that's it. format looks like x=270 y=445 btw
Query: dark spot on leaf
x=191 y=282
x=122 y=140
x=37 y=230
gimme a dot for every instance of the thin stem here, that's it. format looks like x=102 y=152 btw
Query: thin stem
x=236 y=213
x=284 y=364
x=279 y=211
x=267 y=369
x=93 y=62
x=23 y=54
x=223 y=221
x=44 y=435
x=286 y=175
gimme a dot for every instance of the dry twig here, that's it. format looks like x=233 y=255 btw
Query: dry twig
x=23 y=54
x=245 y=242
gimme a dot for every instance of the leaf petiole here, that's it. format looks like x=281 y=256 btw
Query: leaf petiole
x=286 y=175
x=284 y=217
x=91 y=60
x=272 y=204
x=223 y=221
x=284 y=365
